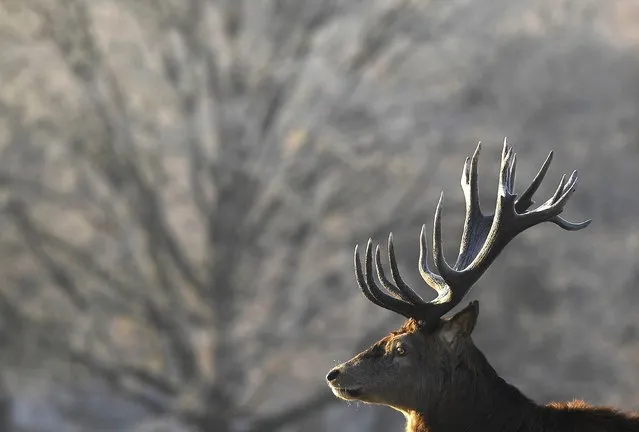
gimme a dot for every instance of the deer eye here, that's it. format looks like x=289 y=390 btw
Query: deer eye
x=400 y=350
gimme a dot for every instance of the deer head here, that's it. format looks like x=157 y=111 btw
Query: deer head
x=431 y=360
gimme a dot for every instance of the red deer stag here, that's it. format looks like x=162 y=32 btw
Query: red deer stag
x=430 y=369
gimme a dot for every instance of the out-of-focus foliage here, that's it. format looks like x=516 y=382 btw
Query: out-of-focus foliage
x=181 y=184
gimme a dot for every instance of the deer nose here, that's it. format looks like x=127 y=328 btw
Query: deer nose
x=332 y=374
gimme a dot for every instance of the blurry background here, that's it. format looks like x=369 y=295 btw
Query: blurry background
x=182 y=183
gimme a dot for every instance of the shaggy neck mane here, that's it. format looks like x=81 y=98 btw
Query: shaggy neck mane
x=479 y=400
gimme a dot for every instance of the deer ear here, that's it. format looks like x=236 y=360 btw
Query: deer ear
x=461 y=325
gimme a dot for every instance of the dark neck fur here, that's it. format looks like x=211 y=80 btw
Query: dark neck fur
x=487 y=406
x=482 y=401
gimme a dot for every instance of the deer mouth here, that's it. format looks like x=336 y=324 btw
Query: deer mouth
x=347 y=392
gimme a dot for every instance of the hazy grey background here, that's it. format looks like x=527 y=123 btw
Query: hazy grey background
x=182 y=183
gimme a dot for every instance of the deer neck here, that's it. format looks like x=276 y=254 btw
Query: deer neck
x=479 y=401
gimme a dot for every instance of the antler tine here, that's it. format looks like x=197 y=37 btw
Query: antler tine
x=512 y=174
x=441 y=265
x=558 y=192
x=406 y=292
x=361 y=280
x=382 y=277
x=469 y=183
x=401 y=291
x=433 y=280
x=476 y=224
x=372 y=291
x=525 y=200
x=570 y=226
x=506 y=173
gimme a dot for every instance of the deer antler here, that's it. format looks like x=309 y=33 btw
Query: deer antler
x=483 y=238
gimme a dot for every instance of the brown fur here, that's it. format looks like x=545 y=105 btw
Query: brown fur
x=444 y=384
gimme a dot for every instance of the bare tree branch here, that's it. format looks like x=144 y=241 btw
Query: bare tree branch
x=58 y=273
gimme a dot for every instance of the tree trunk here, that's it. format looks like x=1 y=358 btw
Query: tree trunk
x=6 y=411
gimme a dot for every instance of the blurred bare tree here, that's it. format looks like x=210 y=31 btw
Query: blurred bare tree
x=175 y=250
x=181 y=182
